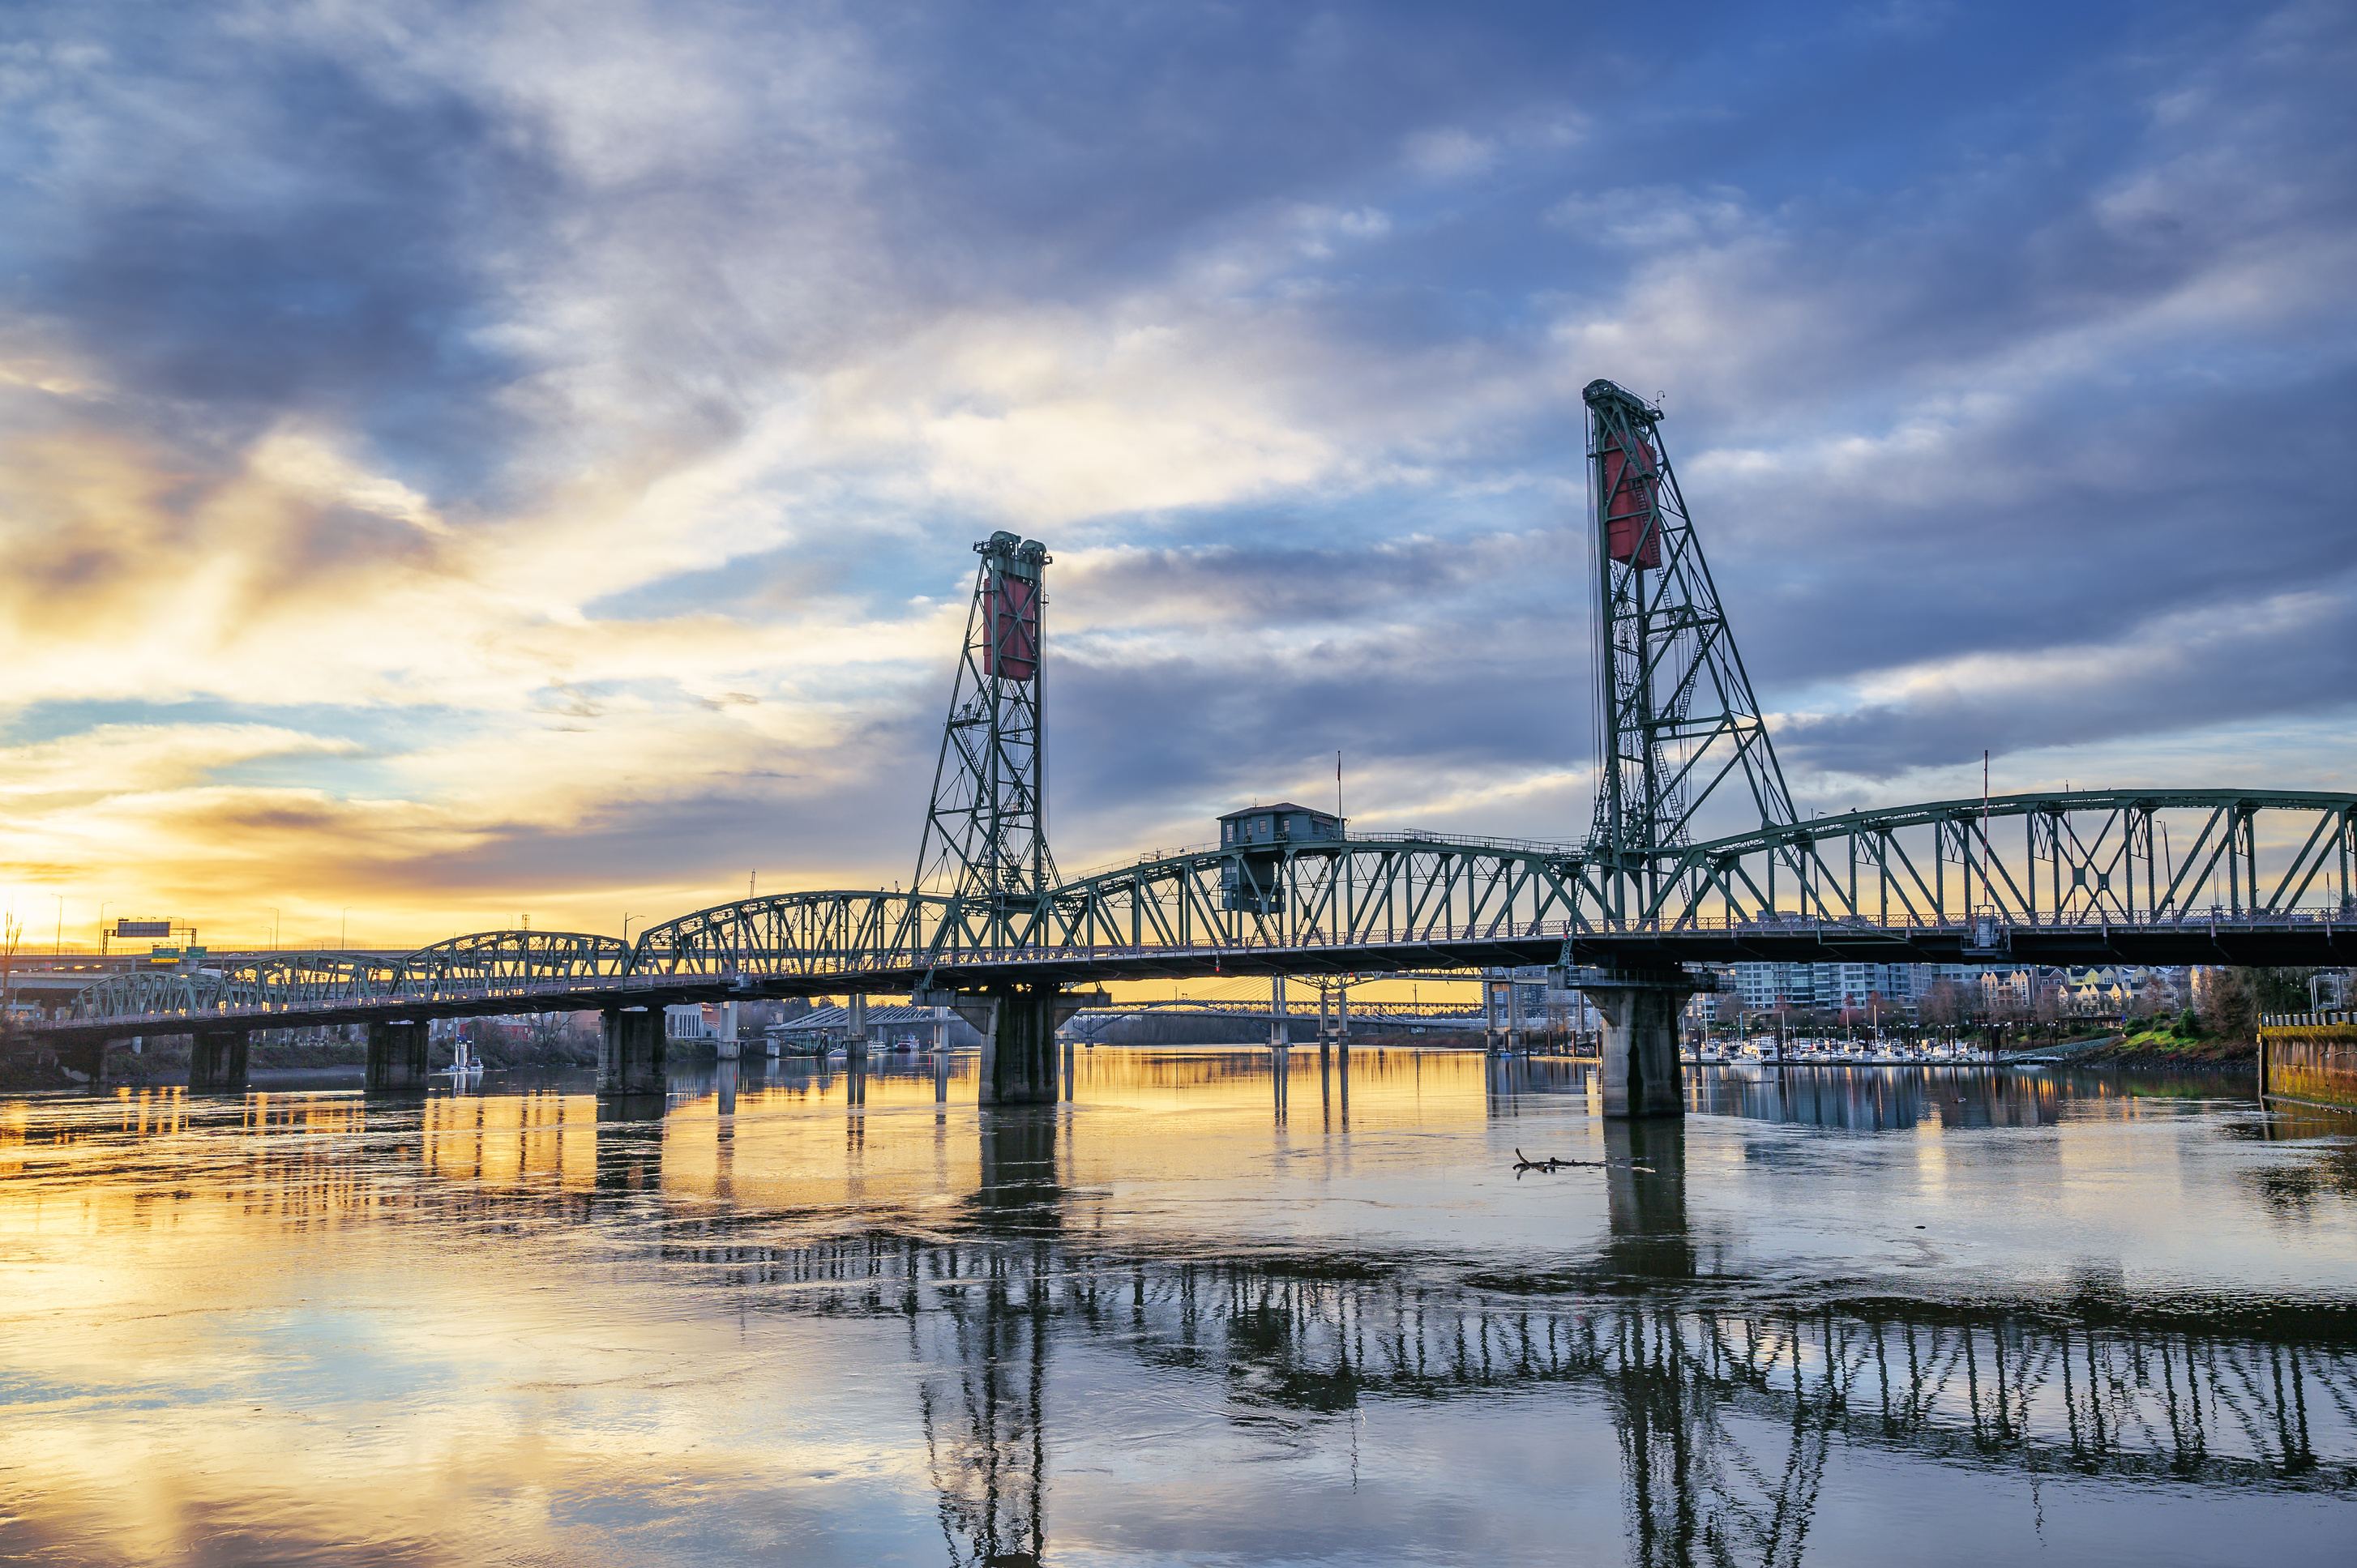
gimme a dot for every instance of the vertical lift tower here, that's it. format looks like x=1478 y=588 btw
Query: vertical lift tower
x=985 y=838
x=1675 y=720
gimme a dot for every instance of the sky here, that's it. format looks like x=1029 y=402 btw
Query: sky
x=466 y=462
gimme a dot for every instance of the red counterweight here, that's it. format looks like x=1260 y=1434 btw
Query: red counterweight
x=1631 y=472
x=1014 y=627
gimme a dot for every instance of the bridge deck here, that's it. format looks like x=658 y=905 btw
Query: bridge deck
x=2297 y=938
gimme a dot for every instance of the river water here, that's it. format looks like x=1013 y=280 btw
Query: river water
x=1200 y=1312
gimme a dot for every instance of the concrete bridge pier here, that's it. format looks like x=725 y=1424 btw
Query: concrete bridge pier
x=1017 y=1025
x=1333 y=1015
x=1639 y=1009
x=730 y=1047
x=217 y=1061
x=631 y=1051
x=396 y=1055
x=855 y=1045
x=86 y=1057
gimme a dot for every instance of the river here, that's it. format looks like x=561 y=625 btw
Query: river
x=1198 y=1314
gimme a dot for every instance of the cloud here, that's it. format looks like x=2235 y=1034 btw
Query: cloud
x=557 y=431
x=1449 y=153
x=2151 y=680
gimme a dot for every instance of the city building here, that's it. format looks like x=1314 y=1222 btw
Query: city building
x=1825 y=987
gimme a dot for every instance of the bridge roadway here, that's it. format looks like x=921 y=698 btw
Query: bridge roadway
x=2298 y=938
x=2085 y=878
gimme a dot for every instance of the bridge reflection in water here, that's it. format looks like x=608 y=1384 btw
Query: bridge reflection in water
x=1724 y=1417
x=1727 y=1401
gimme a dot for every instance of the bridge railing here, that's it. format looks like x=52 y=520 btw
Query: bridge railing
x=1506 y=929
x=1404 y=838
x=837 y=955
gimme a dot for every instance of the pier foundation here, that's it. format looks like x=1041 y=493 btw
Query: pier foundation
x=396 y=1056
x=1640 y=1010
x=217 y=1061
x=1017 y=1025
x=86 y=1057
x=631 y=1048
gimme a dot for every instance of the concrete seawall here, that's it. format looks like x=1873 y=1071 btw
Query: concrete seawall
x=2313 y=1064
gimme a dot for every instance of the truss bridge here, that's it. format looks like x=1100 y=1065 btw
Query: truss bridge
x=991 y=927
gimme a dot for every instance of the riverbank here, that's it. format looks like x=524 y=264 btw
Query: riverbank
x=2173 y=1051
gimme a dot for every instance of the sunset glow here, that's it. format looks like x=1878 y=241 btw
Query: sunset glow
x=460 y=465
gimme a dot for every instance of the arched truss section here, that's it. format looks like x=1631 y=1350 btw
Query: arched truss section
x=2080 y=857
x=1320 y=894
x=2066 y=859
x=277 y=983
x=488 y=959
x=811 y=933
x=1360 y=891
x=469 y=965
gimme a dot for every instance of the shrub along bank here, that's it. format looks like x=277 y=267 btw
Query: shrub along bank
x=2171 y=1048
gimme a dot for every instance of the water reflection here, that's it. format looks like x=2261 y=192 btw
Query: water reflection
x=1645 y=1188
x=1017 y=1191
x=1725 y=1421
x=1879 y=1099
x=1073 y=1361
x=1866 y=1098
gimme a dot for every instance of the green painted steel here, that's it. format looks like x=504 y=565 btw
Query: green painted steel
x=1979 y=876
x=985 y=835
x=2049 y=860
x=1678 y=719
x=488 y=963
x=2165 y=871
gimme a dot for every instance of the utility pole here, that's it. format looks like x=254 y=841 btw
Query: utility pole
x=1988 y=851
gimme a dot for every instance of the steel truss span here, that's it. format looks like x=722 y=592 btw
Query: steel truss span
x=2151 y=877
x=472 y=967
x=2156 y=876
x=2176 y=872
x=1957 y=874
x=2126 y=856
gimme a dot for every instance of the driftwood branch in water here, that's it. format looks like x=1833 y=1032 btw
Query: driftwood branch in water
x=1522 y=1163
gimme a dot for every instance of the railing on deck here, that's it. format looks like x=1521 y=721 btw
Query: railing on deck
x=748 y=965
